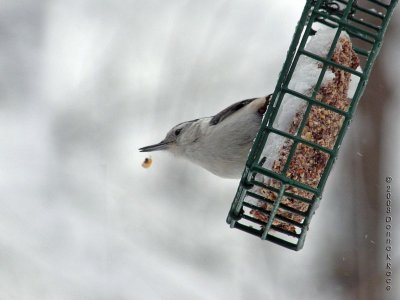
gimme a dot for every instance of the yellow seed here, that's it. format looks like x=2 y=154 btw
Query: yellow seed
x=147 y=162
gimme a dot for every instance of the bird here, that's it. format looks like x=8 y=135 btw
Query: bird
x=220 y=143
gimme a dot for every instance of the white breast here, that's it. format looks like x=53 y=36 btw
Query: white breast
x=224 y=147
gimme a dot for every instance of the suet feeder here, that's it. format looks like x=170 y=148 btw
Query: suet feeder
x=325 y=73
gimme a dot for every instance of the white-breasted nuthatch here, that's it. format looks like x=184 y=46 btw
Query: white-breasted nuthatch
x=221 y=143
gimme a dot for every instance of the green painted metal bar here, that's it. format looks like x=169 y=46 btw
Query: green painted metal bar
x=384 y=5
x=278 y=229
x=361 y=51
x=370 y=12
x=284 y=179
x=360 y=8
x=286 y=194
x=371 y=26
x=297 y=139
x=290 y=221
x=285 y=207
x=331 y=63
x=347 y=25
x=315 y=102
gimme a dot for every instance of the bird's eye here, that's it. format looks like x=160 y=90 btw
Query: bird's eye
x=178 y=131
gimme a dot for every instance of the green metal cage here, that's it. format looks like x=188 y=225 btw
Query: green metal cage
x=365 y=23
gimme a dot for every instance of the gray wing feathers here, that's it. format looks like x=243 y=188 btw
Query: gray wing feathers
x=229 y=110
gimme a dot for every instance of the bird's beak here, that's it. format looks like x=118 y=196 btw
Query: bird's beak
x=160 y=146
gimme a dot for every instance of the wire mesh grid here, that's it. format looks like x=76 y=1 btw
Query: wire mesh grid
x=277 y=204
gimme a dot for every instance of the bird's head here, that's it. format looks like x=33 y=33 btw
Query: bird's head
x=177 y=138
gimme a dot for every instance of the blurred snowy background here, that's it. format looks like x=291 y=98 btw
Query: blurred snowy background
x=86 y=83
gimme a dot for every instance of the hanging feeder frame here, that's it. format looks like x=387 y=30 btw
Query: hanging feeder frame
x=365 y=25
